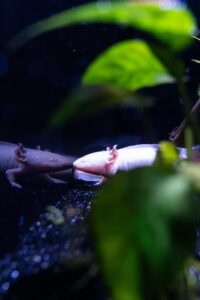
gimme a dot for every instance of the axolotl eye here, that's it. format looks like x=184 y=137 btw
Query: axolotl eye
x=53 y=159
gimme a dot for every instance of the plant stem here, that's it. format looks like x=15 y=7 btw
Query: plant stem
x=177 y=133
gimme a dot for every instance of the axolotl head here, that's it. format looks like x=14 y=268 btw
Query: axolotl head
x=50 y=162
x=98 y=163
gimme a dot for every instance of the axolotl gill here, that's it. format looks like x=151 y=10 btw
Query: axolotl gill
x=108 y=162
x=18 y=161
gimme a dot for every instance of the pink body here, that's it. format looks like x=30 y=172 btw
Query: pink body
x=108 y=162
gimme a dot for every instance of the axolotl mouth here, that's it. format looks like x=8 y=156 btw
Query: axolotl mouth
x=61 y=162
x=93 y=163
x=54 y=162
x=82 y=164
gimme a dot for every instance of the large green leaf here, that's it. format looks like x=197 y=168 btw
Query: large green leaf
x=172 y=26
x=143 y=222
x=130 y=65
x=192 y=171
x=108 y=81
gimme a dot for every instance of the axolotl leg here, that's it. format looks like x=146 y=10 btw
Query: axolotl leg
x=20 y=169
x=109 y=167
x=23 y=168
x=113 y=155
x=11 y=173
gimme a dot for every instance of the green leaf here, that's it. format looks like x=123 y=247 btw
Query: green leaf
x=143 y=223
x=108 y=81
x=130 y=65
x=167 y=154
x=192 y=171
x=173 y=26
x=173 y=64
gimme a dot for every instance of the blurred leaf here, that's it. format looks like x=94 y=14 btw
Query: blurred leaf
x=192 y=171
x=167 y=154
x=172 y=26
x=143 y=223
x=174 y=65
x=130 y=65
x=91 y=99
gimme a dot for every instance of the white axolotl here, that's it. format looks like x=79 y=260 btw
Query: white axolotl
x=108 y=162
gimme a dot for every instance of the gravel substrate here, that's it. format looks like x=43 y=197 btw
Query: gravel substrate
x=45 y=249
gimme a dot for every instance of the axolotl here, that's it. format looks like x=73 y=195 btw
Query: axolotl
x=108 y=162
x=17 y=161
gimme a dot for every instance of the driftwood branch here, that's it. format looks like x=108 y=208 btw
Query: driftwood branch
x=177 y=133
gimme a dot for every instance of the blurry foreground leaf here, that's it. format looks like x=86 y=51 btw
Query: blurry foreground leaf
x=167 y=154
x=192 y=171
x=173 y=26
x=130 y=65
x=91 y=99
x=144 y=227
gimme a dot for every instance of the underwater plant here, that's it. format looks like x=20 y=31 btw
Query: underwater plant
x=129 y=65
x=144 y=228
x=143 y=223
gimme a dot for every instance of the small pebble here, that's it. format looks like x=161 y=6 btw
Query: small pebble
x=37 y=259
x=73 y=222
x=70 y=212
x=5 y=286
x=45 y=265
x=15 y=274
x=46 y=257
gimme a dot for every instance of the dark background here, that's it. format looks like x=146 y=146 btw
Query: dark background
x=34 y=81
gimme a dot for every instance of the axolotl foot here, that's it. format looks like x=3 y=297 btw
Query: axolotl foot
x=11 y=173
x=42 y=177
x=38 y=164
